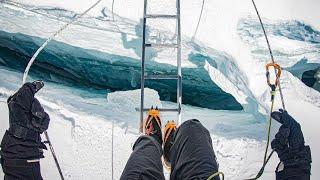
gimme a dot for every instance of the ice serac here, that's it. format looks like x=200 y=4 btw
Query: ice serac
x=291 y=41
x=61 y=62
x=295 y=45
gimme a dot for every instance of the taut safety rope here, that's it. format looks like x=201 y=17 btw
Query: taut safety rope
x=270 y=51
x=112 y=10
x=199 y=20
x=277 y=70
x=112 y=149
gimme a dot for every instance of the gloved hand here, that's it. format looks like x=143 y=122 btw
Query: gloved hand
x=295 y=137
x=289 y=144
x=26 y=111
x=280 y=142
x=40 y=118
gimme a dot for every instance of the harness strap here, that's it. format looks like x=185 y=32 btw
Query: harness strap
x=22 y=132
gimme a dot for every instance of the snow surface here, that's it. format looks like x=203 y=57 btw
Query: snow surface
x=75 y=124
x=82 y=119
x=82 y=137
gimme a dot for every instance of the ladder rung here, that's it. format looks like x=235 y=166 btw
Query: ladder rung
x=165 y=16
x=161 y=76
x=162 y=45
x=161 y=109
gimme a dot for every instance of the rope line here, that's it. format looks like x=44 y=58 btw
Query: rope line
x=112 y=10
x=112 y=149
x=270 y=50
x=25 y=74
x=266 y=159
x=268 y=137
x=198 y=24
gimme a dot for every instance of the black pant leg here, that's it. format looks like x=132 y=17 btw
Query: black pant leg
x=145 y=161
x=192 y=155
x=21 y=171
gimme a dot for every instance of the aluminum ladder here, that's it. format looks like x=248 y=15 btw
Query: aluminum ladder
x=177 y=77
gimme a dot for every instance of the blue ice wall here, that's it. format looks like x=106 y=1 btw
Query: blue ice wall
x=63 y=63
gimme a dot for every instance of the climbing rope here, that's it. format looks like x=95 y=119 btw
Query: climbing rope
x=112 y=148
x=197 y=27
x=270 y=51
x=25 y=74
x=112 y=10
x=273 y=93
x=277 y=70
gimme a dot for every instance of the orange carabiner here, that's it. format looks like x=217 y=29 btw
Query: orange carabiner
x=278 y=70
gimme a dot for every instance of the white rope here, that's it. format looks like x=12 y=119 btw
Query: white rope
x=112 y=149
x=197 y=27
x=25 y=74
x=112 y=10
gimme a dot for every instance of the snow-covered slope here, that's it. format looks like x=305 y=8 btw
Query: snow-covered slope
x=226 y=60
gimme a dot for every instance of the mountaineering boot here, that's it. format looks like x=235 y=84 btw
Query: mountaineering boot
x=153 y=125
x=169 y=135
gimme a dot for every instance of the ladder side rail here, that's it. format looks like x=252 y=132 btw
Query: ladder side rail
x=179 y=83
x=142 y=129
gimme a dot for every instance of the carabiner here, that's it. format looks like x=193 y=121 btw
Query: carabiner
x=278 y=71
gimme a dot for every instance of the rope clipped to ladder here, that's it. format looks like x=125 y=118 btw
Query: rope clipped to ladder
x=25 y=75
x=277 y=70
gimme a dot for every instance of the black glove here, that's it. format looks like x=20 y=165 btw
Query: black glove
x=290 y=146
x=26 y=112
x=280 y=143
x=40 y=118
x=295 y=138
